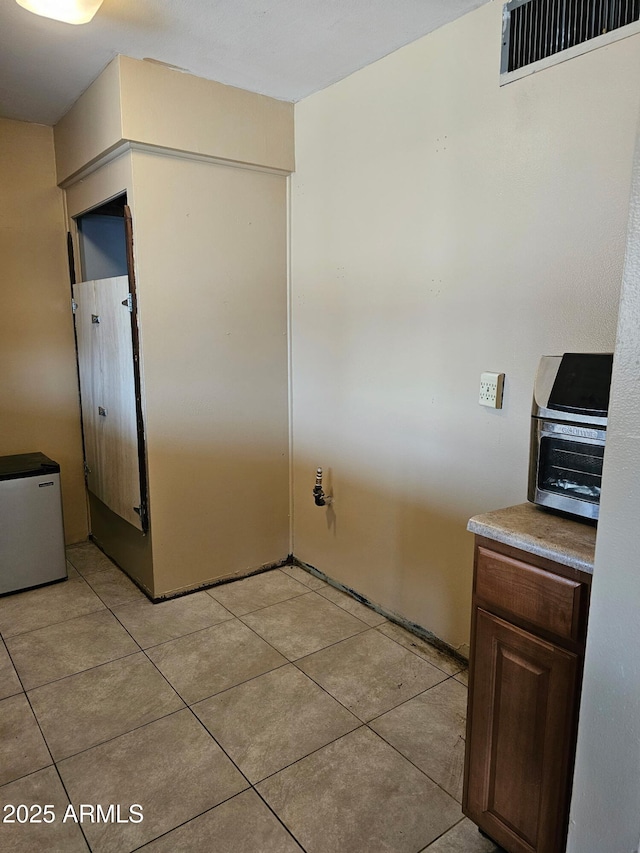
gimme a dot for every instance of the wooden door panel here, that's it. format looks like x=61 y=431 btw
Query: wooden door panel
x=117 y=481
x=107 y=391
x=521 y=697
x=88 y=367
x=521 y=721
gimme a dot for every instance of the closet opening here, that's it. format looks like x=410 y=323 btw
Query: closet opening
x=106 y=326
x=102 y=240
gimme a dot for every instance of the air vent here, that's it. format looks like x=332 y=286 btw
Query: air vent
x=537 y=29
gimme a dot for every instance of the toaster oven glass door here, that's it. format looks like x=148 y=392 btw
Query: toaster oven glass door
x=570 y=468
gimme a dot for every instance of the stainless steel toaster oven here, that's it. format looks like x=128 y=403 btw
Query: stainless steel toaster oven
x=568 y=431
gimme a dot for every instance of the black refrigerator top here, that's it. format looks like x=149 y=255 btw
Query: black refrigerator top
x=27 y=465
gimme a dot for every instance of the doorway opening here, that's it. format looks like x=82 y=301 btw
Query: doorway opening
x=102 y=240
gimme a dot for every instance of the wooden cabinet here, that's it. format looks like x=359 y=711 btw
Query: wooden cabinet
x=527 y=646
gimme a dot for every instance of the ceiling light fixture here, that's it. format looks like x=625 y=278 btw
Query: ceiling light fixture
x=69 y=11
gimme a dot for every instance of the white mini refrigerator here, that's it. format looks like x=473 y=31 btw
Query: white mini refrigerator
x=31 y=533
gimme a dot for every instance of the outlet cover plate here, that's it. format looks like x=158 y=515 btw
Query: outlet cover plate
x=491 y=387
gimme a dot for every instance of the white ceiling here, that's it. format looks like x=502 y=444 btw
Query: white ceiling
x=283 y=48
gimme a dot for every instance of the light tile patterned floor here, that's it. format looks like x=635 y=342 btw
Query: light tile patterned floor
x=273 y=714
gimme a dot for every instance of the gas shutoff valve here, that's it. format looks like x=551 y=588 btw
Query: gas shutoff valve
x=318 y=492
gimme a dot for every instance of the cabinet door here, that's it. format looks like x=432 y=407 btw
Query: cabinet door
x=521 y=733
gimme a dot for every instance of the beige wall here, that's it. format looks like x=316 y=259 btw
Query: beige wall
x=148 y=104
x=109 y=181
x=210 y=257
x=164 y=107
x=39 y=408
x=443 y=226
x=92 y=126
x=210 y=245
x=604 y=811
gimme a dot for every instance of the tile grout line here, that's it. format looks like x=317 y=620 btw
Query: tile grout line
x=366 y=724
x=55 y=681
x=275 y=649
x=251 y=786
x=61 y=621
x=279 y=819
x=406 y=758
x=117 y=604
x=209 y=593
x=174 y=639
x=239 y=684
x=144 y=652
x=335 y=699
x=97 y=666
x=298 y=595
x=115 y=737
x=18 y=676
x=410 y=699
x=198 y=720
x=53 y=761
x=80 y=671
x=266 y=606
x=442 y=834
x=388 y=620
x=321 y=649
x=288 y=662
x=187 y=707
x=26 y=690
x=406 y=648
x=185 y=822
x=200 y=723
x=180 y=696
x=79 y=824
x=360 y=725
x=52 y=766
x=361 y=721
x=221 y=803
x=254 y=677
x=368 y=627
x=344 y=594
x=163 y=716
x=144 y=725
x=52 y=624
x=295 y=663
x=232 y=616
x=219 y=745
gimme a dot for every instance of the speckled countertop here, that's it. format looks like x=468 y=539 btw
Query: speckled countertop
x=531 y=529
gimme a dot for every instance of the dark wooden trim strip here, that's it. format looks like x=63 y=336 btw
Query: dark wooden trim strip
x=71 y=259
x=135 y=337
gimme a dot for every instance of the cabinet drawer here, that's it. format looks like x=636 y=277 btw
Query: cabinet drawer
x=548 y=601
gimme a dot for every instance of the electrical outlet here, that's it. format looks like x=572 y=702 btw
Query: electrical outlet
x=491 y=385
